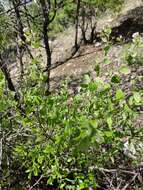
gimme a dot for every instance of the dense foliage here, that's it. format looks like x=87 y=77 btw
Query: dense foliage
x=78 y=139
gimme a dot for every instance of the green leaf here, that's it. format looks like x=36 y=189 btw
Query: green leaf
x=97 y=69
x=40 y=159
x=69 y=159
x=115 y=79
x=93 y=123
x=62 y=185
x=35 y=61
x=109 y=122
x=35 y=169
x=125 y=70
x=109 y=134
x=106 y=49
x=137 y=97
x=87 y=79
x=106 y=61
x=36 y=44
x=120 y=94
x=29 y=175
x=93 y=87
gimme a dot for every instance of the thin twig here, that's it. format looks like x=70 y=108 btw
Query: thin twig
x=36 y=182
x=120 y=183
x=130 y=182
x=127 y=172
x=109 y=181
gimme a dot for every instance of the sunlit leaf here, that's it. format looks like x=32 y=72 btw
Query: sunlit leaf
x=125 y=70
x=109 y=122
x=120 y=94
x=137 y=97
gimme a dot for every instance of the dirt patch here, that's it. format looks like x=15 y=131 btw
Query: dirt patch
x=81 y=63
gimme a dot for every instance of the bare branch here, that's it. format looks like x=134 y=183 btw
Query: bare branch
x=36 y=182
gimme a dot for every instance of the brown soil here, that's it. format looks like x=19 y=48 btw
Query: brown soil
x=82 y=62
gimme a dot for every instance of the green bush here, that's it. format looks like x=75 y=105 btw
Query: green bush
x=67 y=138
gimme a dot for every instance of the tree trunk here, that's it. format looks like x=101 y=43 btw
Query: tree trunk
x=45 y=13
x=20 y=26
x=77 y=24
x=83 y=26
x=7 y=75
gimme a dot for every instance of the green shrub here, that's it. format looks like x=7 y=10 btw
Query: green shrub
x=66 y=138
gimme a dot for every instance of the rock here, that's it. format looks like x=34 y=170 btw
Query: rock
x=128 y=22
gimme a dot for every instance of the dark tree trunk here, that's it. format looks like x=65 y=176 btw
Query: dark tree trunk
x=77 y=24
x=20 y=27
x=45 y=13
x=83 y=26
x=92 y=35
x=7 y=75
